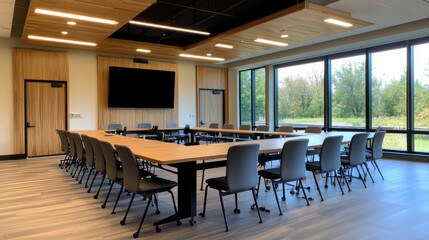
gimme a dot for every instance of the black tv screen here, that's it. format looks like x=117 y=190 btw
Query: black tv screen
x=140 y=88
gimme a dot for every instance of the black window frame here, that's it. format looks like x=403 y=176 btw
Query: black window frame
x=252 y=96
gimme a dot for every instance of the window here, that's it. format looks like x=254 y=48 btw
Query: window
x=348 y=92
x=252 y=97
x=300 y=94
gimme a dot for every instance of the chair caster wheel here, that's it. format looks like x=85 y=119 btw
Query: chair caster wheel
x=292 y=192
x=179 y=223
x=103 y=206
x=283 y=199
x=202 y=215
x=236 y=210
x=158 y=229
x=326 y=186
x=253 y=207
x=95 y=197
x=122 y=223
x=157 y=212
x=310 y=198
x=192 y=221
x=135 y=235
x=267 y=188
x=308 y=188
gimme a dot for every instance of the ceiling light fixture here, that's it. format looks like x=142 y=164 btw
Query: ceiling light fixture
x=71 y=23
x=260 y=40
x=338 y=22
x=201 y=57
x=284 y=36
x=223 y=45
x=169 y=27
x=64 y=33
x=209 y=54
x=75 y=16
x=143 y=50
x=61 y=40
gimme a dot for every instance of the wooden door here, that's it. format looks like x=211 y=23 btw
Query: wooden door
x=211 y=107
x=45 y=112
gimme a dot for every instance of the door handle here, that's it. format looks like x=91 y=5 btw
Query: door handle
x=202 y=122
x=27 y=125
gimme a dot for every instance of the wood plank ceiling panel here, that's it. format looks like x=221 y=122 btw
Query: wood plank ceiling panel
x=302 y=22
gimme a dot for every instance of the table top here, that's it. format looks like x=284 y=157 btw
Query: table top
x=170 y=153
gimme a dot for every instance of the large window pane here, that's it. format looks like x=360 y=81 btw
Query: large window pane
x=395 y=141
x=421 y=88
x=245 y=97
x=421 y=143
x=389 y=102
x=260 y=96
x=348 y=91
x=300 y=94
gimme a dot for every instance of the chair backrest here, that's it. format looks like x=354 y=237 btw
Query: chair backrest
x=130 y=168
x=144 y=125
x=379 y=129
x=100 y=164
x=109 y=157
x=228 y=126
x=171 y=124
x=214 y=125
x=313 y=129
x=330 y=154
x=377 y=145
x=72 y=145
x=245 y=127
x=264 y=128
x=89 y=152
x=115 y=126
x=292 y=165
x=79 y=146
x=65 y=146
x=357 y=148
x=242 y=167
x=286 y=129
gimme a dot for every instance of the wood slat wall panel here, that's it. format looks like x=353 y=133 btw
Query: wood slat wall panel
x=131 y=117
x=33 y=64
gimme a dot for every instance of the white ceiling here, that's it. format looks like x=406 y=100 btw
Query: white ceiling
x=383 y=13
x=6 y=16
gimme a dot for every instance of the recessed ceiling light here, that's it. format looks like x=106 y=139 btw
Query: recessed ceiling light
x=284 y=36
x=260 y=40
x=209 y=54
x=61 y=40
x=143 y=50
x=201 y=57
x=224 y=45
x=338 y=22
x=71 y=23
x=75 y=16
x=64 y=33
x=169 y=27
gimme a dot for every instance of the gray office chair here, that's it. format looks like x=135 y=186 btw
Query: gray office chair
x=100 y=164
x=286 y=129
x=89 y=158
x=246 y=127
x=115 y=126
x=113 y=170
x=228 y=126
x=313 y=129
x=146 y=187
x=329 y=161
x=241 y=175
x=356 y=155
x=144 y=125
x=264 y=128
x=376 y=151
x=208 y=136
x=292 y=167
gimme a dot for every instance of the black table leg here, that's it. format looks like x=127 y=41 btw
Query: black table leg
x=186 y=191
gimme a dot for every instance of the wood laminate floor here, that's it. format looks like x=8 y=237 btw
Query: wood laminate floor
x=38 y=200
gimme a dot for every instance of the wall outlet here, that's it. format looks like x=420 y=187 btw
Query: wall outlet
x=75 y=115
x=192 y=115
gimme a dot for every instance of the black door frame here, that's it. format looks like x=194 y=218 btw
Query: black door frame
x=25 y=108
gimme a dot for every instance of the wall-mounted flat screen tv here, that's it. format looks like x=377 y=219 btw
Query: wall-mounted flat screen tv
x=140 y=88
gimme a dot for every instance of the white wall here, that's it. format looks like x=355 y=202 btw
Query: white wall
x=82 y=90
x=6 y=96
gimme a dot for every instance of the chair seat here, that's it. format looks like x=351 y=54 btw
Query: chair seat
x=155 y=185
x=312 y=166
x=272 y=173
x=218 y=183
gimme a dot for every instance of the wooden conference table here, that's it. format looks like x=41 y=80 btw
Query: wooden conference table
x=184 y=158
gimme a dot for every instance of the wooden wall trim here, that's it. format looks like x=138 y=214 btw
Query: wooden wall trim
x=38 y=65
x=131 y=117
